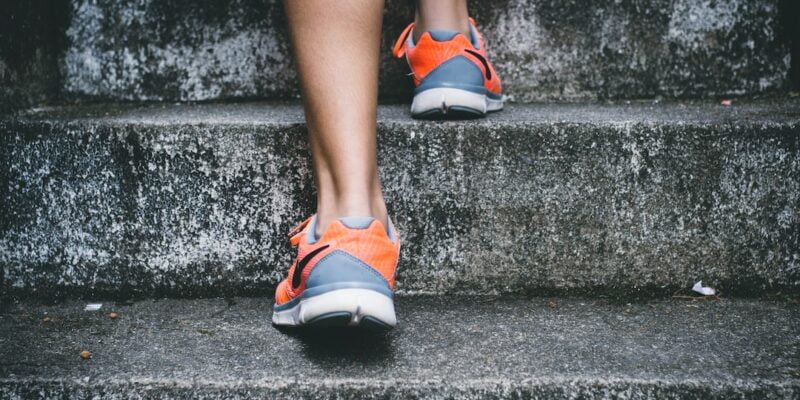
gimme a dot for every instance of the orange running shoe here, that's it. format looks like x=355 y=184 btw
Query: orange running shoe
x=345 y=277
x=452 y=76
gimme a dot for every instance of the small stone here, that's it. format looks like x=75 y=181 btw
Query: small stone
x=46 y=319
x=86 y=355
x=552 y=304
x=113 y=315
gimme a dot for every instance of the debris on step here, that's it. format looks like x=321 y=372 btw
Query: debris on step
x=93 y=307
x=704 y=290
x=697 y=292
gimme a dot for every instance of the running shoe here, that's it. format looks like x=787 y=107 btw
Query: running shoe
x=452 y=76
x=345 y=277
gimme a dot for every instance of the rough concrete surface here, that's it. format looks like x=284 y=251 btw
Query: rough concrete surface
x=196 y=199
x=543 y=49
x=444 y=347
x=60 y=51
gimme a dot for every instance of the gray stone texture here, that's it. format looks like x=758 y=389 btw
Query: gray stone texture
x=443 y=348
x=543 y=50
x=604 y=198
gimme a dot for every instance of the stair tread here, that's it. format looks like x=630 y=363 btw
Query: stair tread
x=758 y=111
x=443 y=345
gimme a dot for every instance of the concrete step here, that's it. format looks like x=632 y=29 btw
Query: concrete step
x=444 y=347
x=196 y=200
x=543 y=49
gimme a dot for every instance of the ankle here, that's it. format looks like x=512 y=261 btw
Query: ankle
x=421 y=26
x=451 y=15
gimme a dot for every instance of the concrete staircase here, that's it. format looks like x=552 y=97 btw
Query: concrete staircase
x=542 y=245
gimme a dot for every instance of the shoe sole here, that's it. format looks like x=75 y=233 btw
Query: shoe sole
x=356 y=307
x=452 y=103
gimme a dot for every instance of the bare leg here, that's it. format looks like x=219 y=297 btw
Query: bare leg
x=441 y=14
x=336 y=48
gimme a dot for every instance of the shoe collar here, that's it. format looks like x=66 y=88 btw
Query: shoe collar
x=309 y=228
x=406 y=38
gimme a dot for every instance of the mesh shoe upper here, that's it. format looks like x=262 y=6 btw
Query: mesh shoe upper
x=370 y=246
x=431 y=52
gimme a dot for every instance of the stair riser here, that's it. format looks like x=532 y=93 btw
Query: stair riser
x=543 y=50
x=203 y=209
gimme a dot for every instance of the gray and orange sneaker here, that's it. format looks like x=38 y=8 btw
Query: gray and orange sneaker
x=344 y=277
x=452 y=76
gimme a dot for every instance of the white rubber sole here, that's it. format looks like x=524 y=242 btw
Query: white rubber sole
x=441 y=102
x=342 y=307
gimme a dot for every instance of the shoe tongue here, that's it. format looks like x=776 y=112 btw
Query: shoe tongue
x=442 y=35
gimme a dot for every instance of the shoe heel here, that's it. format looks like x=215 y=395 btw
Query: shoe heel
x=449 y=102
x=341 y=290
x=349 y=307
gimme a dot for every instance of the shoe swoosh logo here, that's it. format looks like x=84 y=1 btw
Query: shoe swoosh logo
x=485 y=63
x=298 y=268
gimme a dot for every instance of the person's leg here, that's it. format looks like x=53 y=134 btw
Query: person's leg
x=344 y=271
x=336 y=46
x=441 y=15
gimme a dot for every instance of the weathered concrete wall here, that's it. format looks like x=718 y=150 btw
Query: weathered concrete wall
x=192 y=200
x=184 y=49
x=67 y=50
x=543 y=49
